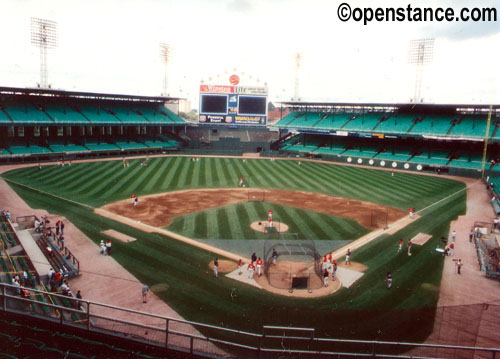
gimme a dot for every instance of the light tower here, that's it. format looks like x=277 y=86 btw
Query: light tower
x=298 y=64
x=420 y=53
x=165 y=52
x=44 y=36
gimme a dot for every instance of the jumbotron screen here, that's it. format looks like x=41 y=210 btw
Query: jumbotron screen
x=233 y=105
x=252 y=105
x=214 y=104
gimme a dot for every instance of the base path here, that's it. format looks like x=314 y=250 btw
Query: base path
x=157 y=210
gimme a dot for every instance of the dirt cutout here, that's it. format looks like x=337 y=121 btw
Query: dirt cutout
x=158 y=210
x=225 y=266
x=261 y=226
x=120 y=236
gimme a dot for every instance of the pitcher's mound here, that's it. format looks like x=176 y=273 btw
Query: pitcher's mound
x=261 y=226
x=224 y=266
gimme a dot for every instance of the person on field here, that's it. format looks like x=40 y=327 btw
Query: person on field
x=388 y=280
x=216 y=267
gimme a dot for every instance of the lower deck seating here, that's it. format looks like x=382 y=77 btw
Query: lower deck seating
x=94 y=146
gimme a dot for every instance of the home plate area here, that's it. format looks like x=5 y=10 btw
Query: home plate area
x=420 y=239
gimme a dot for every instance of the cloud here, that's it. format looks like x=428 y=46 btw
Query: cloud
x=239 y=6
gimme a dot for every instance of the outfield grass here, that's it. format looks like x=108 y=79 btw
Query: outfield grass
x=98 y=183
x=366 y=310
x=233 y=222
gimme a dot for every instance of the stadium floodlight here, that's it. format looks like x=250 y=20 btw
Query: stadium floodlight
x=420 y=53
x=165 y=52
x=44 y=36
x=298 y=64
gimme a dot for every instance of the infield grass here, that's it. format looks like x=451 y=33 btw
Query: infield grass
x=366 y=310
x=233 y=222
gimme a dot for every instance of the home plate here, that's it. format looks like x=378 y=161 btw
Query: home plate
x=348 y=276
x=420 y=239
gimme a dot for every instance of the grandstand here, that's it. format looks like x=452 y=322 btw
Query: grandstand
x=422 y=137
x=44 y=124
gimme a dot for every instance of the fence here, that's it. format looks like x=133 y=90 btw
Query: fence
x=219 y=342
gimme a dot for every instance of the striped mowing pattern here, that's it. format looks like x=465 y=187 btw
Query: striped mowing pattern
x=233 y=222
x=97 y=183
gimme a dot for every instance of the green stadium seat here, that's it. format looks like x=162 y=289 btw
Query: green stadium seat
x=160 y=115
x=128 y=116
x=285 y=121
x=130 y=145
x=27 y=114
x=436 y=125
x=397 y=123
x=363 y=122
x=98 y=115
x=333 y=122
x=471 y=127
x=4 y=120
x=94 y=146
x=65 y=115
x=24 y=150
x=305 y=120
x=61 y=148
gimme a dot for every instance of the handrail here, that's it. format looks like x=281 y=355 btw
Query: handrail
x=87 y=316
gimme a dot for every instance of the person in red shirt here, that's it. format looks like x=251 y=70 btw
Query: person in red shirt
x=400 y=246
x=324 y=265
x=259 y=266
x=251 y=269
x=240 y=265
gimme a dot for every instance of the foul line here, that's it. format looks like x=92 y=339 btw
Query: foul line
x=448 y=197
x=49 y=194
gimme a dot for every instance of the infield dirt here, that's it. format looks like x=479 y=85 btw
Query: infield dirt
x=158 y=210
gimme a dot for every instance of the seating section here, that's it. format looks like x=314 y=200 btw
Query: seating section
x=402 y=155
x=363 y=122
x=98 y=115
x=4 y=120
x=334 y=122
x=433 y=158
x=438 y=125
x=161 y=143
x=130 y=145
x=127 y=116
x=103 y=146
x=65 y=115
x=70 y=147
x=396 y=123
x=28 y=150
x=28 y=114
x=471 y=127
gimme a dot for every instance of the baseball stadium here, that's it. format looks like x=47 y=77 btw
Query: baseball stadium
x=260 y=229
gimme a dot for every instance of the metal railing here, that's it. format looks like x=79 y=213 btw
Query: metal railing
x=178 y=334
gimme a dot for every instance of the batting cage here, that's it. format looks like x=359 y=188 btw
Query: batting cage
x=292 y=263
x=379 y=219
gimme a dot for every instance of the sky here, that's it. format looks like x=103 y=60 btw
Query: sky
x=114 y=47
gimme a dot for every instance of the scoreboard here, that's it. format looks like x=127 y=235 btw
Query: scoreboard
x=233 y=105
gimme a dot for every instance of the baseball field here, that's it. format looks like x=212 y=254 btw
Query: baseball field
x=366 y=310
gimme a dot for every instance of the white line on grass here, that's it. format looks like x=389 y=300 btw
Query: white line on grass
x=50 y=194
x=448 y=197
